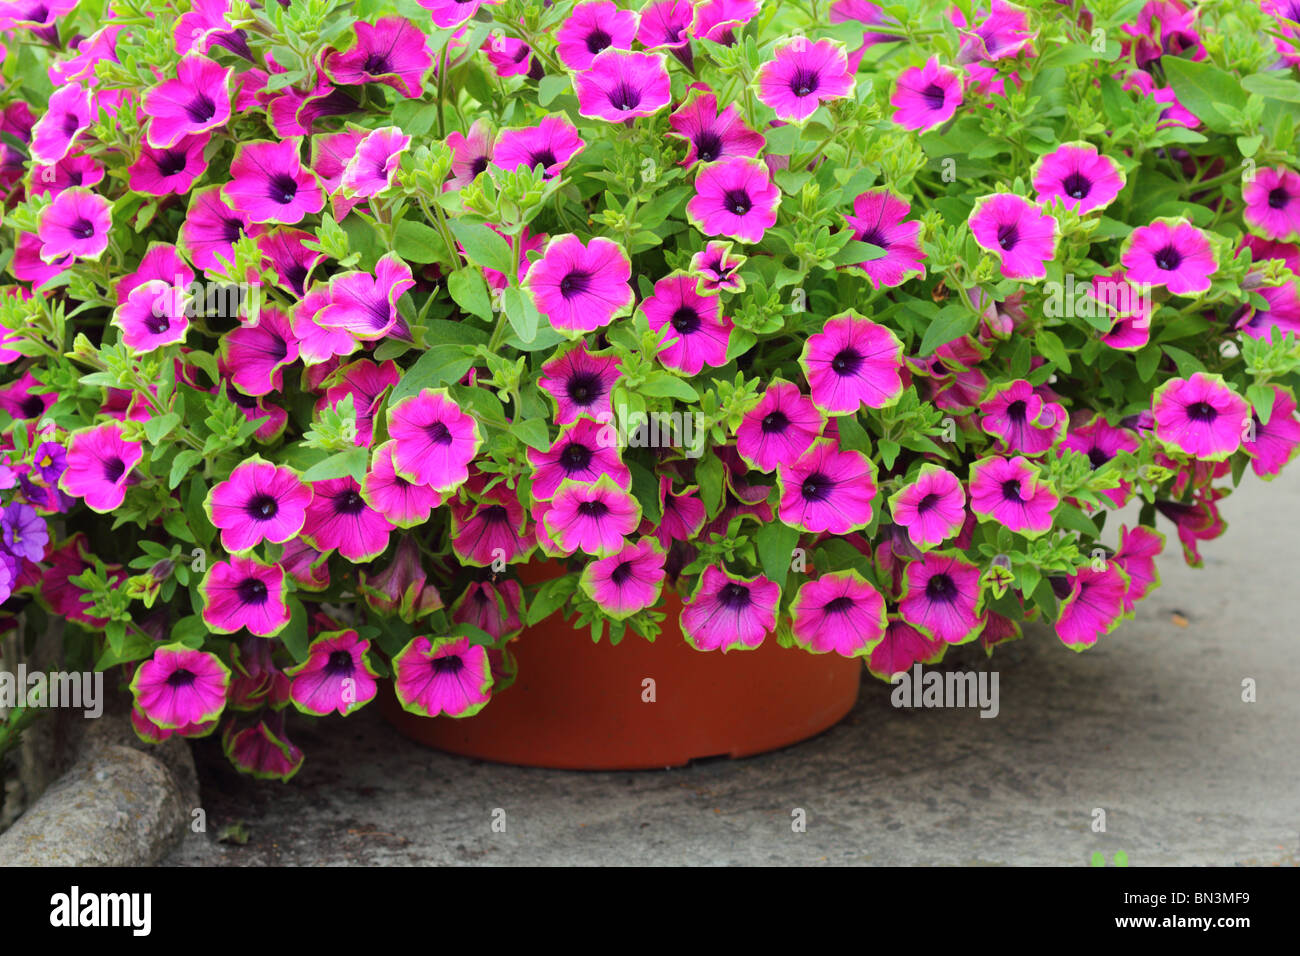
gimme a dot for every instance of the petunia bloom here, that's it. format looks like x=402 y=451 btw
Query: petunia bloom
x=1200 y=416
x=1172 y=253
x=729 y=613
x=879 y=220
x=75 y=224
x=259 y=502
x=711 y=135
x=100 y=460
x=1010 y=492
x=195 y=100
x=244 y=592
x=339 y=518
x=926 y=96
x=179 y=686
x=932 y=507
x=590 y=28
x=435 y=440
x=736 y=198
x=626 y=582
x=336 y=677
x=693 y=329
x=1079 y=176
x=592 y=517
x=1017 y=232
x=801 y=76
x=619 y=86
x=446 y=675
x=1272 y=198
x=392 y=51
x=580 y=287
x=827 y=489
x=780 y=427
x=852 y=362
x=840 y=612
x=942 y=596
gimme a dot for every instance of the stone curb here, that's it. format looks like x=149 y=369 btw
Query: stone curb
x=120 y=804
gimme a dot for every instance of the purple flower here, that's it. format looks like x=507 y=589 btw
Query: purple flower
x=24 y=531
x=802 y=76
x=194 y=101
x=619 y=86
x=1172 y=253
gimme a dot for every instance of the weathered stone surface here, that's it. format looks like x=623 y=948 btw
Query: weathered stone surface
x=117 y=806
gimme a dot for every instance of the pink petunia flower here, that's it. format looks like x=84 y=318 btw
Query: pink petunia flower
x=590 y=28
x=1273 y=445
x=270 y=185
x=580 y=288
x=1272 y=198
x=339 y=518
x=711 y=135
x=926 y=96
x=627 y=582
x=100 y=460
x=211 y=229
x=471 y=153
x=578 y=454
x=435 y=439
x=550 y=144
x=378 y=157
x=492 y=529
x=697 y=333
x=718 y=268
x=1138 y=549
x=1171 y=253
x=444 y=676
x=1200 y=416
x=336 y=677
x=729 y=613
x=179 y=687
x=258 y=353
x=592 y=517
x=244 y=592
x=1079 y=176
x=1020 y=420
x=1009 y=492
x=852 y=362
x=365 y=305
x=1092 y=605
x=878 y=220
x=827 y=490
x=580 y=382
x=840 y=612
x=802 y=76
x=619 y=86
x=404 y=503
x=734 y=197
x=258 y=502
x=195 y=100
x=169 y=171
x=943 y=597
x=70 y=112
x=780 y=427
x=392 y=51
x=932 y=507
x=77 y=224
x=1021 y=235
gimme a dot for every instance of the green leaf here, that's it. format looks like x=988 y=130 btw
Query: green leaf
x=522 y=313
x=1261 y=397
x=776 y=543
x=417 y=242
x=709 y=474
x=1068 y=516
x=952 y=322
x=441 y=365
x=550 y=87
x=1275 y=85
x=182 y=464
x=533 y=432
x=190 y=631
x=1053 y=349
x=352 y=462
x=664 y=385
x=483 y=246
x=1202 y=87
x=294 y=636
x=550 y=597
x=156 y=429
x=470 y=292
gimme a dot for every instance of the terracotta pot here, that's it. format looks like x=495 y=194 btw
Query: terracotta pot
x=577 y=705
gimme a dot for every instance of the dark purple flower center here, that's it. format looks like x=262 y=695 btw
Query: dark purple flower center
x=846 y=361
x=31 y=405
x=438 y=433
x=495 y=514
x=804 y=82
x=170 y=162
x=1278 y=198
x=252 y=591
x=349 y=503
x=574 y=284
x=1008 y=236
x=624 y=98
x=71 y=123
x=621 y=573
x=262 y=507
x=114 y=468
x=734 y=596
x=926 y=503
x=1169 y=258
x=1017 y=410
x=873 y=236
x=940 y=587
x=597 y=40
x=685 y=320
x=448 y=664
x=1076 y=185
x=340 y=664
x=479 y=164
x=575 y=457
x=231 y=229
x=839 y=605
x=296 y=274
x=1202 y=412
x=584 y=388
x=181 y=677
x=1097 y=457
x=157 y=324
x=708 y=146
x=201 y=109
x=775 y=422
x=377 y=63
x=1011 y=489
x=542 y=157
x=282 y=188
x=593 y=509
x=737 y=202
x=934 y=96
x=816 y=487
x=82 y=228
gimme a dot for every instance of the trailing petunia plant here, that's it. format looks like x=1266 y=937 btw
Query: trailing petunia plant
x=346 y=340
